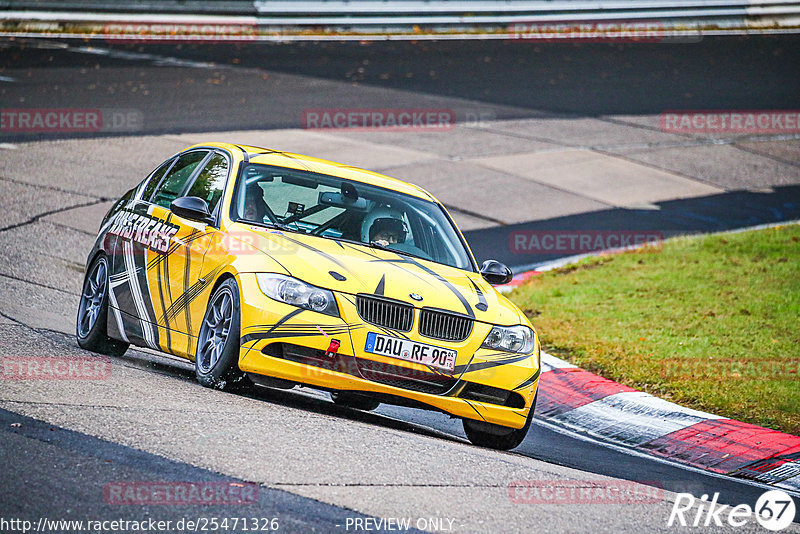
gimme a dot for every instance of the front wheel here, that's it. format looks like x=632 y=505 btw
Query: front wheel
x=217 y=357
x=497 y=437
x=90 y=329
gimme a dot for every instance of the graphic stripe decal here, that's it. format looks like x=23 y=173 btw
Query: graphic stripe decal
x=291 y=330
x=117 y=314
x=529 y=381
x=193 y=236
x=250 y=337
x=381 y=286
x=187 y=264
x=474 y=408
x=468 y=368
x=136 y=293
x=360 y=249
x=195 y=290
x=160 y=279
x=444 y=281
x=323 y=254
x=482 y=305
x=398 y=262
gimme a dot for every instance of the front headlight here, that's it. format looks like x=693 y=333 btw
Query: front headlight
x=510 y=338
x=297 y=293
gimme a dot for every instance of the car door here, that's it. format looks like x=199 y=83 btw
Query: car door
x=156 y=253
x=189 y=288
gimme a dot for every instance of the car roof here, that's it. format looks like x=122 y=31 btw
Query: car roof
x=290 y=160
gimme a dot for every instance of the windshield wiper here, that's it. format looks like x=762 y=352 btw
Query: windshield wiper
x=373 y=244
x=376 y=244
x=288 y=228
x=276 y=225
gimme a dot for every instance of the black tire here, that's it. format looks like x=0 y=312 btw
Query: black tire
x=497 y=437
x=217 y=357
x=354 y=400
x=91 y=324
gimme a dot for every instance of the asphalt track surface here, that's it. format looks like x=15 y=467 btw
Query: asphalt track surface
x=601 y=97
x=318 y=465
x=510 y=78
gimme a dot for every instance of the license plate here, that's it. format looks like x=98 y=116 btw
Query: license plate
x=405 y=349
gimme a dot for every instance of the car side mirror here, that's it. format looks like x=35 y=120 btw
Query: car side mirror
x=192 y=208
x=496 y=273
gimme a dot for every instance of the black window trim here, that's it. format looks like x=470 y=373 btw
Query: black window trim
x=142 y=186
x=191 y=176
x=196 y=174
x=174 y=160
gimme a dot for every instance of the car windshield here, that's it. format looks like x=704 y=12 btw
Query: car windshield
x=331 y=207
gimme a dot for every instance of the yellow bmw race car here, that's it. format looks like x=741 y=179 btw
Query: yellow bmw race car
x=271 y=268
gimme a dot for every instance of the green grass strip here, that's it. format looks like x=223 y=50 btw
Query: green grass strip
x=709 y=322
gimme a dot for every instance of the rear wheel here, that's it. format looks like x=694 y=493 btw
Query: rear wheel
x=217 y=357
x=354 y=400
x=90 y=329
x=497 y=437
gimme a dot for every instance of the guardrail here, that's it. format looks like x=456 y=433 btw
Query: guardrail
x=400 y=19
x=212 y=7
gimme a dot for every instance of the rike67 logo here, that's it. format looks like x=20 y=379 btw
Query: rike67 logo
x=774 y=510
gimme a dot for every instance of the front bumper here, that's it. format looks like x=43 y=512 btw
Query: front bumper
x=283 y=341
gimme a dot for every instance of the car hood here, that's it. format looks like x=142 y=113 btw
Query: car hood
x=353 y=269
